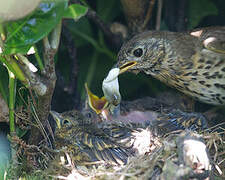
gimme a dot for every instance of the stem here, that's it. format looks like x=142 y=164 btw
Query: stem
x=148 y=14
x=39 y=61
x=159 y=14
x=12 y=90
x=26 y=62
x=12 y=65
x=55 y=36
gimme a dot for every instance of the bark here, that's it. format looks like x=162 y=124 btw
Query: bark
x=138 y=14
x=43 y=85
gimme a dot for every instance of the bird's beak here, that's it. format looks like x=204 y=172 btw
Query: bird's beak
x=96 y=103
x=127 y=66
x=57 y=117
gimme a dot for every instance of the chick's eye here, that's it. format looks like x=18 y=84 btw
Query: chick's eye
x=89 y=115
x=138 y=52
x=65 y=121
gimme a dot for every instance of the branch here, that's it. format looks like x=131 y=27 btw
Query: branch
x=138 y=14
x=115 y=39
x=159 y=13
x=34 y=79
x=46 y=83
x=149 y=13
x=50 y=51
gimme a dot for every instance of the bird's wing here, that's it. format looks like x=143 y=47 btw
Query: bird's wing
x=104 y=147
x=178 y=120
x=106 y=142
x=212 y=38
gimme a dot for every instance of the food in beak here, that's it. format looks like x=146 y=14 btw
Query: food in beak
x=110 y=87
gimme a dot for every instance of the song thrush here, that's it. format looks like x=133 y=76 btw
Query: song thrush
x=88 y=138
x=192 y=62
x=80 y=136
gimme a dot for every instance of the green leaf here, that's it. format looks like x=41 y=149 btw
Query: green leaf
x=75 y=11
x=4 y=82
x=18 y=49
x=23 y=33
x=199 y=9
x=12 y=65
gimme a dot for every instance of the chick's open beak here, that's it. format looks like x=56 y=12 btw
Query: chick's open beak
x=57 y=117
x=126 y=66
x=96 y=103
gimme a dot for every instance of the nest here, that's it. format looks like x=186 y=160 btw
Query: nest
x=160 y=161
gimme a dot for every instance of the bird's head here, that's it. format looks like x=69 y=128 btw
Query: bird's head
x=144 y=52
x=66 y=119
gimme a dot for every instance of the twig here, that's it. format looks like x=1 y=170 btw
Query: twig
x=113 y=38
x=149 y=13
x=35 y=80
x=39 y=61
x=159 y=13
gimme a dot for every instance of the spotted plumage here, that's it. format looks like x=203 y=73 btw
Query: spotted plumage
x=86 y=142
x=192 y=62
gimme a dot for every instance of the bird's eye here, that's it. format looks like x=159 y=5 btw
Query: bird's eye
x=89 y=115
x=65 y=121
x=138 y=52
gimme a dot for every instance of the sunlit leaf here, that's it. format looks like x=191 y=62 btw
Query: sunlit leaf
x=12 y=65
x=23 y=33
x=75 y=11
x=199 y=9
x=17 y=49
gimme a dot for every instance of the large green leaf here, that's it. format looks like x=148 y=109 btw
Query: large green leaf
x=75 y=11
x=23 y=33
x=199 y=9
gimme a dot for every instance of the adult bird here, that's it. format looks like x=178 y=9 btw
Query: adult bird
x=192 y=62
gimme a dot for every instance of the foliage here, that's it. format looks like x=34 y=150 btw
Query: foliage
x=197 y=11
x=22 y=34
